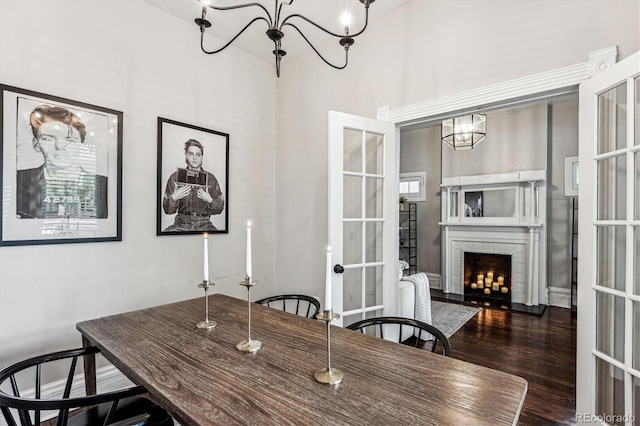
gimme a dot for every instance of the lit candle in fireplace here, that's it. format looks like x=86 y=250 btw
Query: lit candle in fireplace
x=504 y=289
x=490 y=276
x=501 y=280
x=474 y=286
x=480 y=277
x=487 y=290
x=495 y=286
x=487 y=282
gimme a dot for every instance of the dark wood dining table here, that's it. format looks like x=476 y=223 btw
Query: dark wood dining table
x=202 y=379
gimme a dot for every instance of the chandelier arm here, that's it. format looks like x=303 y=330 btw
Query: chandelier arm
x=240 y=6
x=346 y=50
x=297 y=15
x=230 y=41
x=277 y=17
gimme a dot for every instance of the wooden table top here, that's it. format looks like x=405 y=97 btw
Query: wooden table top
x=201 y=379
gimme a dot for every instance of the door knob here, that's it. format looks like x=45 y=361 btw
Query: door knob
x=338 y=269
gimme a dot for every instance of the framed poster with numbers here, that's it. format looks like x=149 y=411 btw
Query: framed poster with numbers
x=60 y=170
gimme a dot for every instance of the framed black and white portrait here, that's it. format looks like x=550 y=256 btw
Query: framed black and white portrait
x=61 y=170
x=193 y=179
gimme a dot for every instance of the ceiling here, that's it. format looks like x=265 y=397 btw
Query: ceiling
x=327 y=13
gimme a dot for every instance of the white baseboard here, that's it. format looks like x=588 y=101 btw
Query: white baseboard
x=107 y=378
x=560 y=297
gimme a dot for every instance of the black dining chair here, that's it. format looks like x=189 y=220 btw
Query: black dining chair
x=305 y=306
x=431 y=341
x=121 y=407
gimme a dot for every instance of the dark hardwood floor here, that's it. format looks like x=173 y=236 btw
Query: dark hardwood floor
x=542 y=350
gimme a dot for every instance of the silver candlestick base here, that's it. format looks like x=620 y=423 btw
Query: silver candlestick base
x=249 y=345
x=328 y=376
x=206 y=324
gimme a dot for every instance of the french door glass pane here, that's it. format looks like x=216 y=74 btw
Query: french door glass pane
x=375 y=197
x=637 y=109
x=352 y=289
x=375 y=154
x=352 y=249
x=373 y=314
x=350 y=319
x=373 y=250
x=609 y=389
x=352 y=145
x=373 y=285
x=610 y=325
x=352 y=196
x=636 y=398
x=636 y=260
x=612 y=188
x=611 y=266
x=635 y=344
x=612 y=119
x=636 y=182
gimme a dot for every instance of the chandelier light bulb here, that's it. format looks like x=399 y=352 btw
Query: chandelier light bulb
x=346 y=21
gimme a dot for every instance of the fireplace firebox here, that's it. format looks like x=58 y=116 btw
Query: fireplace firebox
x=487 y=279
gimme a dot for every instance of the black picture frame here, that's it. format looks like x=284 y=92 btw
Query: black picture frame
x=473 y=204
x=192 y=214
x=60 y=170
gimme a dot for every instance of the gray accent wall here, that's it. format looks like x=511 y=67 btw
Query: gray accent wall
x=537 y=136
x=516 y=141
x=420 y=150
x=563 y=142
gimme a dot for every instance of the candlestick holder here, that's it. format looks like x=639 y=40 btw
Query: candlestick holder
x=249 y=345
x=206 y=324
x=328 y=376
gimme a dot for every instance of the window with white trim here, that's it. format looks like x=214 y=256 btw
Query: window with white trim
x=412 y=186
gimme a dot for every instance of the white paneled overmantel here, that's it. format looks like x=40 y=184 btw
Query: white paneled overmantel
x=502 y=213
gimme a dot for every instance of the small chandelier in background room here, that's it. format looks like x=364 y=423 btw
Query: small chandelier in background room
x=277 y=24
x=464 y=132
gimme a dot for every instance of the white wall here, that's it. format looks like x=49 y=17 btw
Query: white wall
x=418 y=52
x=129 y=56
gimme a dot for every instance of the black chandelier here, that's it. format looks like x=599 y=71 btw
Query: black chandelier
x=276 y=27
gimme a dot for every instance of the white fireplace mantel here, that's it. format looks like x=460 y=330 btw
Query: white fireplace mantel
x=520 y=235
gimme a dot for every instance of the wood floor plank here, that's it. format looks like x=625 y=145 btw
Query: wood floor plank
x=540 y=349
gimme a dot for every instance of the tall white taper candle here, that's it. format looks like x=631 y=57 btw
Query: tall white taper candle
x=327 y=286
x=206 y=258
x=249 y=251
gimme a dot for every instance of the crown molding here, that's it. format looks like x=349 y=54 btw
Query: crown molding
x=536 y=86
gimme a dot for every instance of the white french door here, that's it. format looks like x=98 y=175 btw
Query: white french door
x=363 y=216
x=608 y=355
